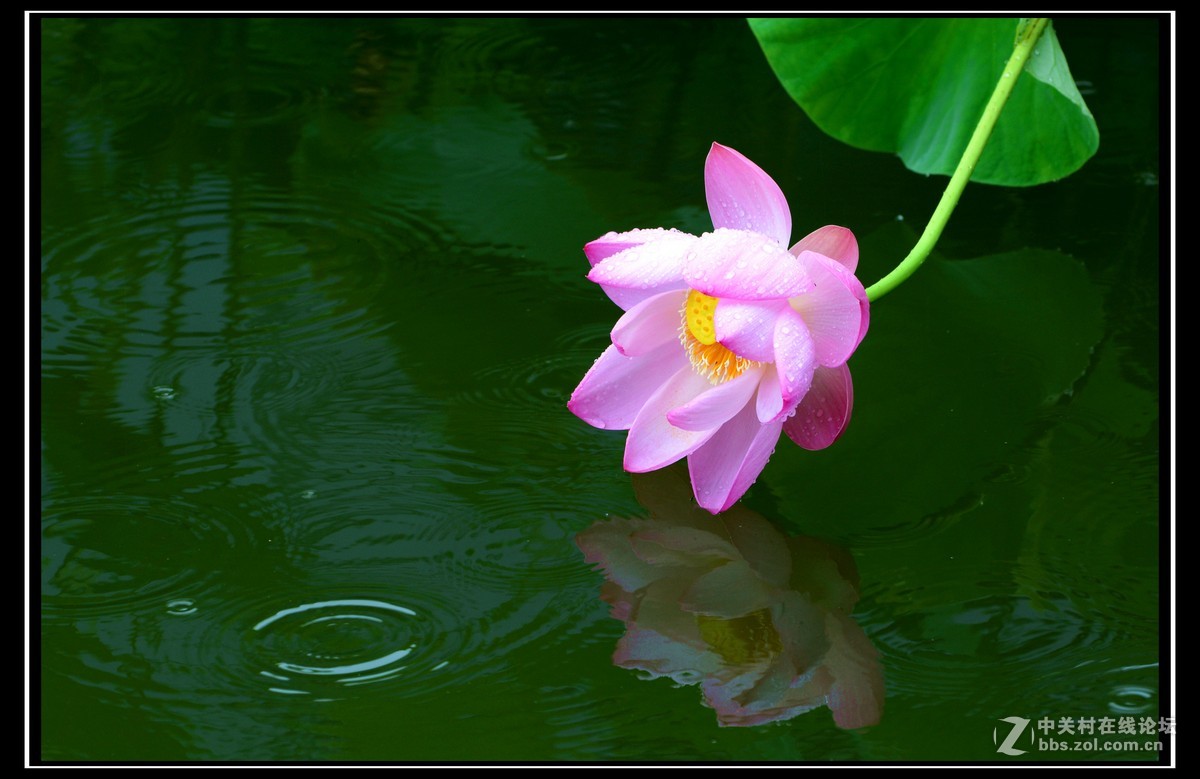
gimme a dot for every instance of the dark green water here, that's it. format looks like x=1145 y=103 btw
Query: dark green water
x=312 y=302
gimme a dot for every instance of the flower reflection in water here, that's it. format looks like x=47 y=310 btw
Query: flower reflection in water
x=760 y=621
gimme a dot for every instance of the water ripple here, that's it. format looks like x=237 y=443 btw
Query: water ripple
x=315 y=647
x=219 y=306
x=414 y=635
x=89 y=568
x=938 y=644
x=258 y=99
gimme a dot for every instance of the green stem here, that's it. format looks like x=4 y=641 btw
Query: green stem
x=1028 y=34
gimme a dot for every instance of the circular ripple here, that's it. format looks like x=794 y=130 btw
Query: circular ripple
x=426 y=632
x=938 y=646
x=489 y=50
x=266 y=100
x=358 y=641
x=1131 y=699
x=315 y=647
x=111 y=554
x=568 y=356
x=537 y=556
x=117 y=55
x=915 y=531
x=255 y=320
x=528 y=510
x=261 y=234
x=439 y=156
x=1128 y=699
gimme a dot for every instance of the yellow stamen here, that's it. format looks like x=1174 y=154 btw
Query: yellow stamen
x=741 y=640
x=699 y=338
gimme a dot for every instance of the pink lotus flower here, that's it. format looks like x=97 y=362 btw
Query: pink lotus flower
x=728 y=338
x=759 y=621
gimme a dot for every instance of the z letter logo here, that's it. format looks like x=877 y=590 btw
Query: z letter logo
x=1019 y=724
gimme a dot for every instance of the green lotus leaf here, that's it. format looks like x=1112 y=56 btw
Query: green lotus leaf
x=917 y=87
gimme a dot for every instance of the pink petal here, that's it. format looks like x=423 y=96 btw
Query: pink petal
x=607 y=544
x=801 y=626
x=650 y=324
x=828 y=573
x=663 y=638
x=764 y=547
x=614 y=243
x=725 y=467
x=654 y=442
x=622 y=602
x=762 y=693
x=729 y=591
x=795 y=358
x=740 y=195
x=645 y=649
x=836 y=243
x=856 y=698
x=773 y=697
x=769 y=404
x=658 y=608
x=717 y=405
x=822 y=416
x=739 y=264
x=640 y=270
x=662 y=544
x=616 y=387
x=747 y=327
x=830 y=309
x=856 y=287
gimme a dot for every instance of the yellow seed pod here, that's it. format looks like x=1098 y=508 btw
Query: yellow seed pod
x=698 y=313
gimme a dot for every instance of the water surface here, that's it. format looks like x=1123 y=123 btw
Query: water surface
x=312 y=301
